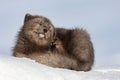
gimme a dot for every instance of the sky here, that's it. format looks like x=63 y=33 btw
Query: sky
x=101 y=18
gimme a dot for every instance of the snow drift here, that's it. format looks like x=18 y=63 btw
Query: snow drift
x=12 y=68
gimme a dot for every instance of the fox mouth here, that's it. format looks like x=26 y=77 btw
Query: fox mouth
x=42 y=36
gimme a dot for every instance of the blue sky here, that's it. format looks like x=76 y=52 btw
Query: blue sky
x=101 y=18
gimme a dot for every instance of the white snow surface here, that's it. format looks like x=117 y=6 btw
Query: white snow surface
x=12 y=68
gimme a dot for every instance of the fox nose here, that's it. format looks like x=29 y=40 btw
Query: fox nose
x=45 y=30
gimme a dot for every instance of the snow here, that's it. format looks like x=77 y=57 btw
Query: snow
x=12 y=68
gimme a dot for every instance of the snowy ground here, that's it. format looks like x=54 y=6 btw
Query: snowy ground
x=25 y=69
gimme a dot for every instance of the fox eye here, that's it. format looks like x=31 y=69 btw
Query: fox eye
x=40 y=24
x=35 y=31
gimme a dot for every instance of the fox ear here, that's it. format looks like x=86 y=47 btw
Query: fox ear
x=28 y=17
